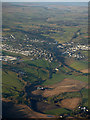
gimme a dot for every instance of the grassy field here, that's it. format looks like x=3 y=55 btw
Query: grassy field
x=37 y=63
x=85 y=53
x=11 y=85
x=79 y=65
x=43 y=74
x=57 y=111
x=85 y=93
x=37 y=72
x=69 y=95
x=79 y=77
x=55 y=79
x=32 y=17
x=63 y=36
x=58 y=77
x=41 y=63
x=31 y=70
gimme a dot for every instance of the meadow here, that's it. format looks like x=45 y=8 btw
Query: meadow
x=11 y=85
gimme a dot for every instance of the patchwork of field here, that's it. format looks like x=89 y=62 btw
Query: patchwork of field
x=65 y=19
x=46 y=82
x=60 y=84
x=77 y=64
x=67 y=85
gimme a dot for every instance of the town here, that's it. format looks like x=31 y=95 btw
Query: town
x=70 y=49
x=73 y=50
x=35 y=53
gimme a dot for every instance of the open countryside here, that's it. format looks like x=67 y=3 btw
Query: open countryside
x=45 y=60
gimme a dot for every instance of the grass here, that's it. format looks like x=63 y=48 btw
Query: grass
x=43 y=74
x=85 y=93
x=40 y=73
x=85 y=53
x=79 y=65
x=58 y=77
x=61 y=36
x=64 y=69
x=69 y=95
x=10 y=83
x=38 y=63
x=31 y=70
x=55 y=79
x=79 y=77
x=57 y=111
x=22 y=17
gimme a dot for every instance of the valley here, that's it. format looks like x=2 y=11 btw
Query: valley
x=45 y=60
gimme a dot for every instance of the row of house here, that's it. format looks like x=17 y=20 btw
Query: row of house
x=6 y=58
x=36 y=53
x=73 y=50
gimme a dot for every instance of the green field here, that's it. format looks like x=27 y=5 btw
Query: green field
x=65 y=23
x=85 y=100
x=61 y=36
x=11 y=85
x=41 y=63
x=55 y=79
x=57 y=111
x=79 y=77
x=37 y=63
x=68 y=95
x=79 y=65
x=37 y=72
x=58 y=77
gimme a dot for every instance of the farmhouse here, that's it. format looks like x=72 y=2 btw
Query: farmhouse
x=40 y=88
x=56 y=69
